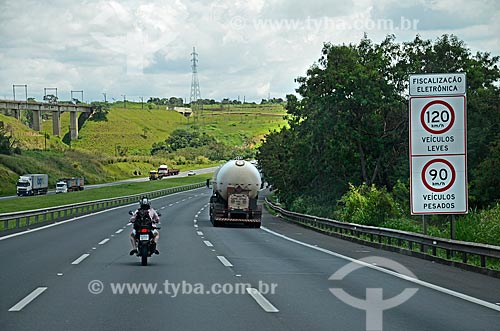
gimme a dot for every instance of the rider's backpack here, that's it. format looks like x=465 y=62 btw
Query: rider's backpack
x=142 y=218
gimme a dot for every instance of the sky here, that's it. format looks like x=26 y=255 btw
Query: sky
x=247 y=49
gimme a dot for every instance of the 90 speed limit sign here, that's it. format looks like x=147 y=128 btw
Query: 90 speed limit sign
x=439 y=185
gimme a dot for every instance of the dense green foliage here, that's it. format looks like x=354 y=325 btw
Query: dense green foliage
x=8 y=145
x=345 y=152
x=350 y=125
x=181 y=138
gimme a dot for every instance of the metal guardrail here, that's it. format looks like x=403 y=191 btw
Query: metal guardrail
x=470 y=256
x=24 y=219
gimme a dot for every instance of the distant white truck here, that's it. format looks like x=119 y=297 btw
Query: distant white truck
x=32 y=184
x=65 y=185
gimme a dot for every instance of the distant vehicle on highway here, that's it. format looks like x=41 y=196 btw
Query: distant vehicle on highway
x=191 y=173
x=32 y=184
x=65 y=185
x=153 y=175
x=164 y=171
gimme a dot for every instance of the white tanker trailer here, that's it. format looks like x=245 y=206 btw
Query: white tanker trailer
x=235 y=193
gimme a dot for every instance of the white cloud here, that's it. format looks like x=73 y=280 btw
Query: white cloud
x=246 y=47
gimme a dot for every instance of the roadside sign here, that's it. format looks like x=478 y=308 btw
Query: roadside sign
x=437 y=125
x=439 y=185
x=438 y=144
x=437 y=84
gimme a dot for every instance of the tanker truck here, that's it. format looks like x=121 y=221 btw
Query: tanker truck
x=235 y=190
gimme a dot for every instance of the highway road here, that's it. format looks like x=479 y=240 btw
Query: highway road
x=78 y=275
x=126 y=181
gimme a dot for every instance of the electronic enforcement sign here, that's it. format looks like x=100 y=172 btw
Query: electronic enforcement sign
x=438 y=144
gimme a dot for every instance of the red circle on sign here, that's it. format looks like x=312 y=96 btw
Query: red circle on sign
x=453 y=175
x=432 y=103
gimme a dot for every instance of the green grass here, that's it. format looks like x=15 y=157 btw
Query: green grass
x=119 y=148
x=45 y=201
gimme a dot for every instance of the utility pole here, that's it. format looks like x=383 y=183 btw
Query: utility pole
x=104 y=93
x=124 y=101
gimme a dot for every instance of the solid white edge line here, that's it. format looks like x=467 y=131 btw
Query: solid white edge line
x=393 y=273
x=80 y=259
x=261 y=300
x=30 y=297
x=104 y=241
x=208 y=243
x=80 y=217
x=118 y=231
x=224 y=261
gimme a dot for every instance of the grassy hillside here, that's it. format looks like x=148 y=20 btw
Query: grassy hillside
x=119 y=147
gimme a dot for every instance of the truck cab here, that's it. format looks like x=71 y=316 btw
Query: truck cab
x=61 y=187
x=153 y=175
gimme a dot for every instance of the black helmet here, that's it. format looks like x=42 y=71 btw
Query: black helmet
x=144 y=203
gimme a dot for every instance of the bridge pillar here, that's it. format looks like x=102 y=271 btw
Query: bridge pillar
x=73 y=124
x=56 y=123
x=17 y=113
x=37 y=120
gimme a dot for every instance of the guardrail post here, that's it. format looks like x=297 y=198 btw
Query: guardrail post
x=483 y=261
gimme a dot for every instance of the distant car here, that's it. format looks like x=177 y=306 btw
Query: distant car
x=191 y=173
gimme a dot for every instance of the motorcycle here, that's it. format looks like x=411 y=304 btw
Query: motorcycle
x=144 y=240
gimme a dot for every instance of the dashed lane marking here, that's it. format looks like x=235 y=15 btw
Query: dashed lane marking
x=30 y=297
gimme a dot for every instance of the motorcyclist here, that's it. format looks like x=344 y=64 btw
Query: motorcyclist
x=145 y=204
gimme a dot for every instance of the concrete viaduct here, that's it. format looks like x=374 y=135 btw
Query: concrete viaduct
x=55 y=108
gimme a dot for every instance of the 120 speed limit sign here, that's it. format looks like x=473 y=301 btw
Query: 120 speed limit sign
x=437 y=126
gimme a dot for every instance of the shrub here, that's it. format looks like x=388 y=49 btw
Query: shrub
x=367 y=205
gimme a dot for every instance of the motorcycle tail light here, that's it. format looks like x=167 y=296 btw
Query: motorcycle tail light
x=144 y=230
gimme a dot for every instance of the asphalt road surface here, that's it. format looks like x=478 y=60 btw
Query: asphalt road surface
x=78 y=275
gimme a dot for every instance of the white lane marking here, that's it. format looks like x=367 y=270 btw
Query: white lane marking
x=104 y=241
x=208 y=243
x=224 y=261
x=199 y=233
x=262 y=301
x=118 y=231
x=30 y=297
x=162 y=207
x=177 y=202
x=196 y=225
x=393 y=273
x=170 y=205
x=80 y=259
